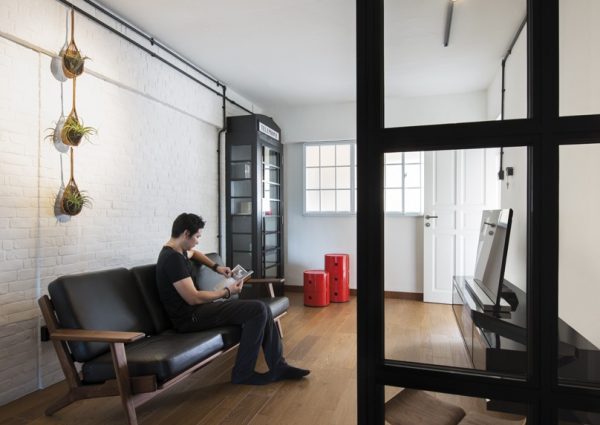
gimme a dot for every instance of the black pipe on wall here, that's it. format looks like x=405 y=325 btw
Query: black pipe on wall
x=150 y=52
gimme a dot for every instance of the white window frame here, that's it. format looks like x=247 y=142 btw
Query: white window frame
x=403 y=188
x=352 y=144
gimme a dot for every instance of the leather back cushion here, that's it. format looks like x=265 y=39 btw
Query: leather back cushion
x=145 y=277
x=206 y=279
x=103 y=300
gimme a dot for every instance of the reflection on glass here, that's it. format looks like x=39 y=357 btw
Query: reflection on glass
x=242 y=242
x=410 y=406
x=241 y=153
x=432 y=314
x=240 y=224
x=572 y=417
x=241 y=188
x=578 y=266
x=241 y=170
x=429 y=83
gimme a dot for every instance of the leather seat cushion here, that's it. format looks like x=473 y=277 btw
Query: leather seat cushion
x=165 y=355
x=145 y=277
x=410 y=407
x=278 y=305
x=103 y=300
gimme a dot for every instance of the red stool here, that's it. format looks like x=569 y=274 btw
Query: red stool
x=338 y=267
x=316 y=288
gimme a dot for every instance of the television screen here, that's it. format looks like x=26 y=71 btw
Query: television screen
x=491 y=251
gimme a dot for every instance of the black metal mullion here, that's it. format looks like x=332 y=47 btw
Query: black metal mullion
x=370 y=336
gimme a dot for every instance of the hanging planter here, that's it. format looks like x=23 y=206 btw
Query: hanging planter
x=73 y=200
x=73 y=130
x=72 y=60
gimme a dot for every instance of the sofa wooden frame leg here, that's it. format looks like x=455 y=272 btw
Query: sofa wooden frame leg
x=122 y=373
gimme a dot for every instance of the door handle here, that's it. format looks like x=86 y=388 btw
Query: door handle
x=427 y=217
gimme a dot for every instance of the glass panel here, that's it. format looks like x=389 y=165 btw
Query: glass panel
x=578 y=266
x=410 y=406
x=393 y=200
x=271 y=175
x=572 y=417
x=272 y=256
x=273 y=208
x=342 y=177
x=241 y=206
x=412 y=201
x=241 y=224
x=579 y=88
x=312 y=178
x=312 y=156
x=272 y=271
x=328 y=178
x=271 y=240
x=243 y=258
x=271 y=224
x=241 y=170
x=412 y=176
x=327 y=155
x=242 y=242
x=393 y=176
x=241 y=153
x=343 y=200
x=271 y=157
x=393 y=158
x=241 y=188
x=412 y=157
x=342 y=155
x=457 y=292
x=313 y=200
x=328 y=200
x=271 y=191
x=427 y=83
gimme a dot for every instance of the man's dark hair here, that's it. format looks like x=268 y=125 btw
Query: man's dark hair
x=187 y=221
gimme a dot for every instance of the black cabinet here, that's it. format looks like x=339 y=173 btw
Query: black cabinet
x=254 y=196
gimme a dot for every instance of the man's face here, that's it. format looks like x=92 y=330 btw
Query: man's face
x=191 y=241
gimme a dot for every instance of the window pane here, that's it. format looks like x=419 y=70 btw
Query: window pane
x=393 y=200
x=412 y=201
x=412 y=157
x=402 y=405
x=343 y=200
x=393 y=176
x=327 y=155
x=393 y=158
x=451 y=262
x=328 y=178
x=342 y=177
x=312 y=200
x=343 y=155
x=312 y=156
x=572 y=417
x=412 y=176
x=328 y=200
x=578 y=266
x=427 y=83
x=312 y=178
x=579 y=91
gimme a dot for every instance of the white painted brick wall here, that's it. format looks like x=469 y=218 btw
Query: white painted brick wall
x=153 y=158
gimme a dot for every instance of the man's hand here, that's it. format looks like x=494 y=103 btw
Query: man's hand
x=236 y=287
x=224 y=270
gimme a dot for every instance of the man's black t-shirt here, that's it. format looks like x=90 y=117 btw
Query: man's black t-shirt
x=171 y=267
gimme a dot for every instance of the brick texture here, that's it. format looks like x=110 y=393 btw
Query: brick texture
x=155 y=156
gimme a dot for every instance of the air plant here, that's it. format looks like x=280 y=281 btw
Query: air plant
x=73 y=131
x=73 y=200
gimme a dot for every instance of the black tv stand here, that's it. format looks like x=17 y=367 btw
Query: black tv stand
x=497 y=342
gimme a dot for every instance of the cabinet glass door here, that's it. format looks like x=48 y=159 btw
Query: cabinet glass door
x=241 y=206
x=271 y=212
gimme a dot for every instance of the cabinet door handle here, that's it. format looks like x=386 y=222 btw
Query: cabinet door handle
x=427 y=217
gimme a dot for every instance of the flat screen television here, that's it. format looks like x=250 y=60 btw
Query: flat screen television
x=492 y=248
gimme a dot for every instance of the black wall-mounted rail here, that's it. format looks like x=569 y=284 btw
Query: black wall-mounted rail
x=150 y=52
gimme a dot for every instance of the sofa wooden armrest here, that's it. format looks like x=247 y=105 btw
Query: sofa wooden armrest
x=95 y=336
x=266 y=280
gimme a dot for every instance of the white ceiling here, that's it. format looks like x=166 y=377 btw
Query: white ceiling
x=302 y=52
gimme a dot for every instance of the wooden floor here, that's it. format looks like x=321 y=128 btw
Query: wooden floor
x=321 y=339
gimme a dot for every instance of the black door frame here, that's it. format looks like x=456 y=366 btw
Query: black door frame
x=542 y=132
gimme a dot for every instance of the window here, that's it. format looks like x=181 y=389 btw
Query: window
x=404 y=183
x=329 y=177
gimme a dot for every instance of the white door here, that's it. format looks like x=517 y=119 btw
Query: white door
x=458 y=186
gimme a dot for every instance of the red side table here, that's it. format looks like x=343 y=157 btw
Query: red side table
x=338 y=267
x=316 y=288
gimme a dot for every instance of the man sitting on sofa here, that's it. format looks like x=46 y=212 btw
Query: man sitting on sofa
x=192 y=310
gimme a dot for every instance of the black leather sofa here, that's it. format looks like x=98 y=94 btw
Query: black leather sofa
x=113 y=323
